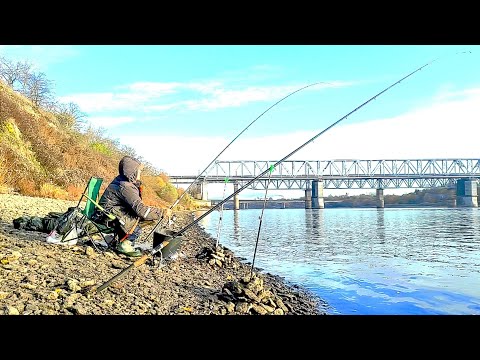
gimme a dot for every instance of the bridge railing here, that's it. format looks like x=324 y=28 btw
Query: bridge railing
x=349 y=168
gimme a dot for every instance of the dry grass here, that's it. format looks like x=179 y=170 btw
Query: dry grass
x=5 y=189
x=27 y=187
x=74 y=192
x=2 y=168
x=53 y=191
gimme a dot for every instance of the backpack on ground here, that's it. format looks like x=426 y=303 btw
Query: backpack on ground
x=61 y=227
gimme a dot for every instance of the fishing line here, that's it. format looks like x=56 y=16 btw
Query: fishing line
x=159 y=247
x=261 y=218
x=221 y=214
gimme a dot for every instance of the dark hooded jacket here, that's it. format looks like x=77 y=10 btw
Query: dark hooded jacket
x=123 y=199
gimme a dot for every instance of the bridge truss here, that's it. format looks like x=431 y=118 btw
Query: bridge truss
x=342 y=174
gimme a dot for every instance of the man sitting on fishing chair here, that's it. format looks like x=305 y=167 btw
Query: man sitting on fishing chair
x=123 y=198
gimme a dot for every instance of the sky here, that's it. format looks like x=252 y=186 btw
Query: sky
x=178 y=106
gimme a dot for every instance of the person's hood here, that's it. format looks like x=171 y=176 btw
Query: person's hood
x=128 y=167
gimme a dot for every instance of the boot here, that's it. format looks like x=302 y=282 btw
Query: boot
x=126 y=248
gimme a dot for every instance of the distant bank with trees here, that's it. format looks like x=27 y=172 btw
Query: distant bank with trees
x=437 y=197
x=433 y=197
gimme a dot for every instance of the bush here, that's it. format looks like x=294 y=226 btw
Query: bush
x=53 y=191
x=168 y=193
x=101 y=148
x=26 y=187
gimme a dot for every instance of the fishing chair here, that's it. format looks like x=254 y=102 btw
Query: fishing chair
x=86 y=226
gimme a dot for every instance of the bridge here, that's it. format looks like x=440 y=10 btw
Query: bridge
x=315 y=175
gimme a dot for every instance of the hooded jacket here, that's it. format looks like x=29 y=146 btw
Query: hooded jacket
x=123 y=199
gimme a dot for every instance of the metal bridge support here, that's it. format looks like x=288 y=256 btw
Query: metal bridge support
x=380 y=199
x=236 y=200
x=308 y=198
x=467 y=193
x=204 y=191
x=317 y=194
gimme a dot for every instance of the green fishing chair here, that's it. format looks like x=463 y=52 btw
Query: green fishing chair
x=86 y=226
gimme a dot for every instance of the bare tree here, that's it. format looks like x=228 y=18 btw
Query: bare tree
x=127 y=150
x=24 y=70
x=34 y=86
x=53 y=106
x=7 y=71
x=14 y=73
x=38 y=89
x=70 y=115
x=74 y=111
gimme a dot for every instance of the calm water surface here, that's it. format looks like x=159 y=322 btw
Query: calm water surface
x=366 y=261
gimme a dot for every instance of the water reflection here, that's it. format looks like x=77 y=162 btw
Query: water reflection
x=468 y=228
x=367 y=261
x=314 y=223
x=236 y=226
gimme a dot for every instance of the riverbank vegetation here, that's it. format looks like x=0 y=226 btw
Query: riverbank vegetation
x=440 y=196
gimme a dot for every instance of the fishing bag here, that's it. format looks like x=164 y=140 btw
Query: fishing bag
x=68 y=220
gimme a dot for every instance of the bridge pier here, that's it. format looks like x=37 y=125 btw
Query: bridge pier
x=236 y=200
x=204 y=191
x=243 y=205
x=467 y=193
x=308 y=198
x=317 y=194
x=380 y=199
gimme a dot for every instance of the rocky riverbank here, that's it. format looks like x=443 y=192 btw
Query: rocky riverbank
x=38 y=278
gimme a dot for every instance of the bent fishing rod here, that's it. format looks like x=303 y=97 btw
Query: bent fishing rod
x=159 y=247
x=225 y=148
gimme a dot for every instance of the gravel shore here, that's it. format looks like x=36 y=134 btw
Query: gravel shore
x=38 y=278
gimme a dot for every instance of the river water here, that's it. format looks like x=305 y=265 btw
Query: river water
x=365 y=261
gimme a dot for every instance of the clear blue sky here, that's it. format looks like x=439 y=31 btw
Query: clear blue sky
x=189 y=102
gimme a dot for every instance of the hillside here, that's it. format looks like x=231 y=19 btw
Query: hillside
x=43 y=153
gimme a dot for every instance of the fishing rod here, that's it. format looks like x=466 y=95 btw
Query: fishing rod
x=225 y=148
x=159 y=247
